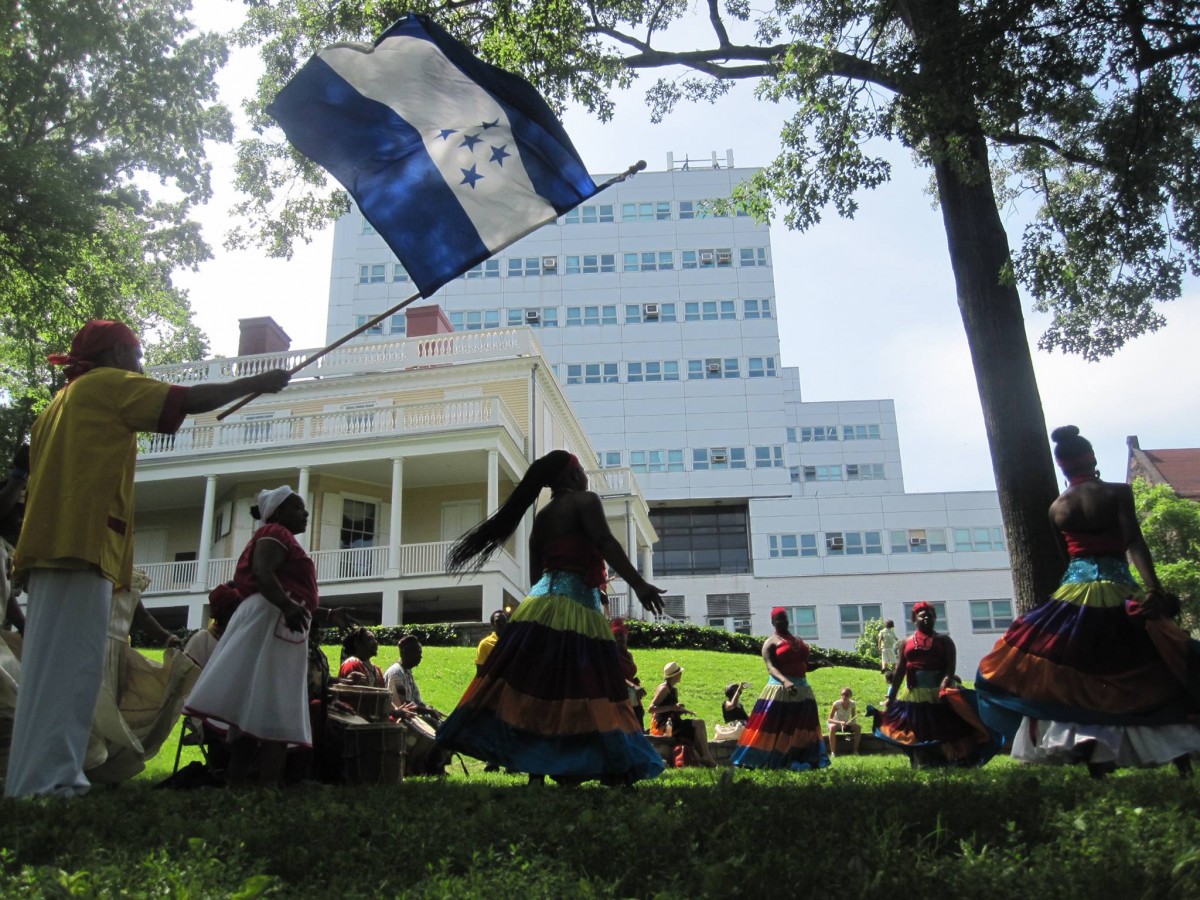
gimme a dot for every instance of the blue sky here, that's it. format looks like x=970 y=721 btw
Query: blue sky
x=866 y=306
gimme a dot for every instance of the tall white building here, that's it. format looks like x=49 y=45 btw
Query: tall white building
x=657 y=316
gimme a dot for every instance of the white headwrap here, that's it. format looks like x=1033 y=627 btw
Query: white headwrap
x=269 y=501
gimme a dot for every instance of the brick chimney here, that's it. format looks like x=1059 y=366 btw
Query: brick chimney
x=262 y=334
x=422 y=321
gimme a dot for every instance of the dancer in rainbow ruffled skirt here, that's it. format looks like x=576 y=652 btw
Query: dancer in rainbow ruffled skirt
x=551 y=699
x=1098 y=673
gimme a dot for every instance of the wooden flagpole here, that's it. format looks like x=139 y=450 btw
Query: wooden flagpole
x=632 y=170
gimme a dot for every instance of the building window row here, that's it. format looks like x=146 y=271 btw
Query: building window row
x=609 y=314
x=871 y=543
x=659 y=370
x=703 y=459
x=848 y=472
x=987 y=616
x=809 y=434
x=645 y=211
x=583 y=264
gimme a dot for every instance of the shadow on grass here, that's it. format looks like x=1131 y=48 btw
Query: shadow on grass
x=995 y=832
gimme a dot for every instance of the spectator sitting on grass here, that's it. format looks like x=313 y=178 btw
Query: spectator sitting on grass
x=843 y=718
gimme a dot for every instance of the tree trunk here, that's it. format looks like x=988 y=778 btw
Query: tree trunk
x=1012 y=408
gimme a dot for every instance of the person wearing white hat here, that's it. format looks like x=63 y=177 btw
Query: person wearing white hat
x=666 y=717
x=254 y=688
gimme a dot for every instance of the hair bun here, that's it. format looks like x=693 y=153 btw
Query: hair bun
x=1062 y=433
x=254 y=513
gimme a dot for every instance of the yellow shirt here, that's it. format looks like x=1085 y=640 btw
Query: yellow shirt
x=486 y=646
x=83 y=448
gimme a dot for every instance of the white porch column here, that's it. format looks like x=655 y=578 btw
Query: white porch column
x=493 y=482
x=393 y=569
x=204 y=551
x=631 y=552
x=302 y=489
x=647 y=567
x=493 y=598
x=197 y=616
x=389 y=612
x=522 y=551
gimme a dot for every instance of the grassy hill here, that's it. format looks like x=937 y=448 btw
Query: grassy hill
x=888 y=832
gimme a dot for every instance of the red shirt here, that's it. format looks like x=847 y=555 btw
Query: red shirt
x=297 y=575
x=791 y=657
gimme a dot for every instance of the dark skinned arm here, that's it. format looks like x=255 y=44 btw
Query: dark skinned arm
x=768 y=655
x=203 y=398
x=268 y=556
x=951 y=660
x=595 y=525
x=144 y=622
x=1135 y=541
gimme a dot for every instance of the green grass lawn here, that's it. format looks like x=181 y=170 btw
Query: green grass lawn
x=999 y=832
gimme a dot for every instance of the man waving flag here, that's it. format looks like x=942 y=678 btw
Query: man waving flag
x=449 y=158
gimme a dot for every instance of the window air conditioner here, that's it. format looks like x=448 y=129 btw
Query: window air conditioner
x=650 y=310
x=719 y=457
x=916 y=541
x=836 y=543
x=724 y=256
x=714 y=367
x=549 y=262
x=706 y=256
x=533 y=315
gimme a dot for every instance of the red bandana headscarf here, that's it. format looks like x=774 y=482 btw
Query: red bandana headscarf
x=91 y=341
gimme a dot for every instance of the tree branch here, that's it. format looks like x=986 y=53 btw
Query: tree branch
x=1016 y=139
x=714 y=16
x=710 y=62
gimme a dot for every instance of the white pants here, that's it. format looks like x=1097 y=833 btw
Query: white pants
x=66 y=626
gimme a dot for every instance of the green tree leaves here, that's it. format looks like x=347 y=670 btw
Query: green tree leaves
x=101 y=98
x=1171 y=526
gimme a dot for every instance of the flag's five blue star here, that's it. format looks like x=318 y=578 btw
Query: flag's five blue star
x=445 y=133
x=499 y=154
x=470 y=140
x=495 y=123
x=470 y=176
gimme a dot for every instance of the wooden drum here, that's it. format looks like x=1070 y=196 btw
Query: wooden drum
x=373 y=754
x=372 y=703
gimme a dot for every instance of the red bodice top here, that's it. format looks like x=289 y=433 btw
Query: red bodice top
x=575 y=553
x=1108 y=542
x=297 y=575
x=791 y=656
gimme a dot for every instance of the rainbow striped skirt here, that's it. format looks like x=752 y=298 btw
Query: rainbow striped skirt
x=783 y=731
x=551 y=699
x=944 y=722
x=1086 y=675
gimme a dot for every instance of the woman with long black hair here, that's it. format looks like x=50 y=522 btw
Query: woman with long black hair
x=552 y=699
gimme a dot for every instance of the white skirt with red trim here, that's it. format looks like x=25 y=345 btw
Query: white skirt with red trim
x=255 y=684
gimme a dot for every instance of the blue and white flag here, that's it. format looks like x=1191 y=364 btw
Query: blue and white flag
x=449 y=158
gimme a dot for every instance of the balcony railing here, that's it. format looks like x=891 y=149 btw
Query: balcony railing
x=332 y=566
x=613 y=482
x=364 y=357
x=419 y=418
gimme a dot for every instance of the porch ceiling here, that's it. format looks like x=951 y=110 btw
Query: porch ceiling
x=427 y=470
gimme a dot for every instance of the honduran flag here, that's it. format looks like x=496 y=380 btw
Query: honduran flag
x=449 y=158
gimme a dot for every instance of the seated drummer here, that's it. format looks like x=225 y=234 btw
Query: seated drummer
x=358 y=649
x=406 y=696
x=424 y=755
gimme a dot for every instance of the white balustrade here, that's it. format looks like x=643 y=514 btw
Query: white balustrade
x=169 y=577
x=363 y=357
x=332 y=426
x=350 y=565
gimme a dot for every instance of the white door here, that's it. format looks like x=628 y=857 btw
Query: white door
x=149 y=546
x=459 y=517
